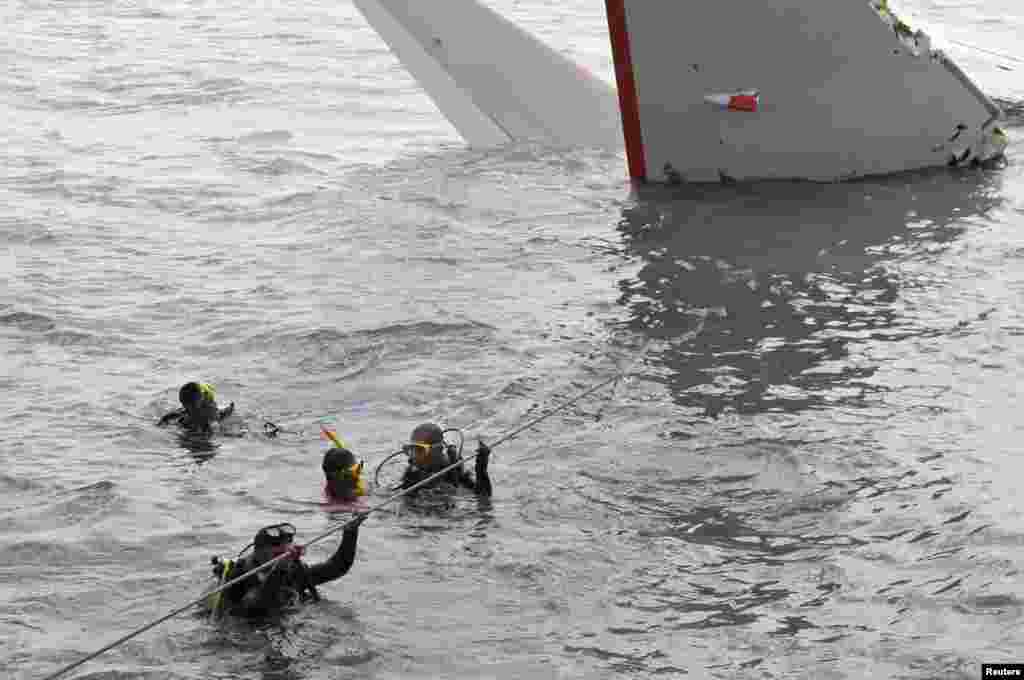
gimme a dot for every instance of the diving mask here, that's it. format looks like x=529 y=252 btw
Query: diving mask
x=275 y=535
x=422 y=455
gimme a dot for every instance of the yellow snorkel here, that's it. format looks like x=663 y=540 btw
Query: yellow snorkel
x=329 y=434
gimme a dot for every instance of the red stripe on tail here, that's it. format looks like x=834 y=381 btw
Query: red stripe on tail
x=743 y=102
x=628 y=104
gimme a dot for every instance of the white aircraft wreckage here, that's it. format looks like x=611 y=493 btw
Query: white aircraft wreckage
x=789 y=89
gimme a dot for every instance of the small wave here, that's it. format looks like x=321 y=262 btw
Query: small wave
x=620 y=661
x=102 y=487
x=323 y=336
x=990 y=604
x=39 y=552
x=84 y=502
x=422 y=329
x=529 y=572
x=214 y=92
x=28 y=232
x=341 y=370
x=265 y=164
x=27 y=321
x=289 y=199
x=350 y=657
x=361 y=341
x=9 y=483
x=69 y=338
x=451 y=261
x=266 y=137
x=74 y=104
x=316 y=155
x=278 y=166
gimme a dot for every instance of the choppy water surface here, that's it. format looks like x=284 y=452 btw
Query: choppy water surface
x=821 y=483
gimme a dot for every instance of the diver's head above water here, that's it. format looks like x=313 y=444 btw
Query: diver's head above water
x=426 y=447
x=200 y=404
x=433 y=460
x=272 y=541
x=198 y=410
x=342 y=474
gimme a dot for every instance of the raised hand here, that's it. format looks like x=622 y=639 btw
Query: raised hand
x=483 y=453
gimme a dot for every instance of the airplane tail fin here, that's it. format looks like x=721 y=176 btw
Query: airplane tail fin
x=492 y=80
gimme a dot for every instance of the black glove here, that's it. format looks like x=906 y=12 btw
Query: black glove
x=224 y=413
x=483 y=454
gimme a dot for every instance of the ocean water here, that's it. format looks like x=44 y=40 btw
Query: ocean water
x=821 y=482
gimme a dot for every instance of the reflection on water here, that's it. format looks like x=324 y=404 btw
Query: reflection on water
x=286 y=647
x=201 y=447
x=766 y=546
x=789 y=277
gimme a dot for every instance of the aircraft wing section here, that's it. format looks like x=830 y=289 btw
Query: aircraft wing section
x=492 y=80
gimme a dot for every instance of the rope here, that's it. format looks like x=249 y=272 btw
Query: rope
x=360 y=516
x=615 y=385
x=685 y=337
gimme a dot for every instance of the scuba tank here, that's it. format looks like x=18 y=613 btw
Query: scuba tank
x=222 y=569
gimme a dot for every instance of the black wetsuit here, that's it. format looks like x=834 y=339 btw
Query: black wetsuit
x=181 y=417
x=287 y=582
x=456 y=476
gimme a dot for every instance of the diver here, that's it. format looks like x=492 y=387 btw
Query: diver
x=428 y=454
x=199 y=409
x=287 y=583
x=343 y=476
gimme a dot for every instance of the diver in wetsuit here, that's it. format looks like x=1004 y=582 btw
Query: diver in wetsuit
x=199 y=409
x=343 y=476
x=289 y=581
x=428 y=454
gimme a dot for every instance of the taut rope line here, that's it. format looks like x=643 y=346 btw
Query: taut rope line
x=270 y=563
